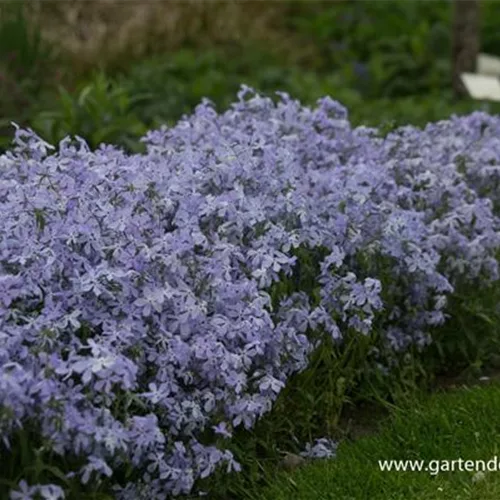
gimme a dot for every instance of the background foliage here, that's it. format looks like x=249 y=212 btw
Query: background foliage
x=386 y=61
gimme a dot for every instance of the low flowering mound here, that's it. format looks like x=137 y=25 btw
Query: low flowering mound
x=152 y=303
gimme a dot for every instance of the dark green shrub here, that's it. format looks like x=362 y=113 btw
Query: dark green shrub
x=100 y=111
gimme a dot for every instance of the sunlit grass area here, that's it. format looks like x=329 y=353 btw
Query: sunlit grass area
x=462 y=424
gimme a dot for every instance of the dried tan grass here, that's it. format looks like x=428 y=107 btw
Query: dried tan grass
x=112 y=32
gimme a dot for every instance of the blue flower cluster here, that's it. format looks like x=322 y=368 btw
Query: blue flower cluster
x=136 y=324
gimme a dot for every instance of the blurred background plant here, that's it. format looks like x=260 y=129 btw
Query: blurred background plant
x=364 y=54
x=101 y=111
x=25 y=63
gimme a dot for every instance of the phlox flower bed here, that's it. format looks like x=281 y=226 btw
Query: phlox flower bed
x=142 y=316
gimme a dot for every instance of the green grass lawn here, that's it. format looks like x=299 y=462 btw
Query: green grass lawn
x=463 y=424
